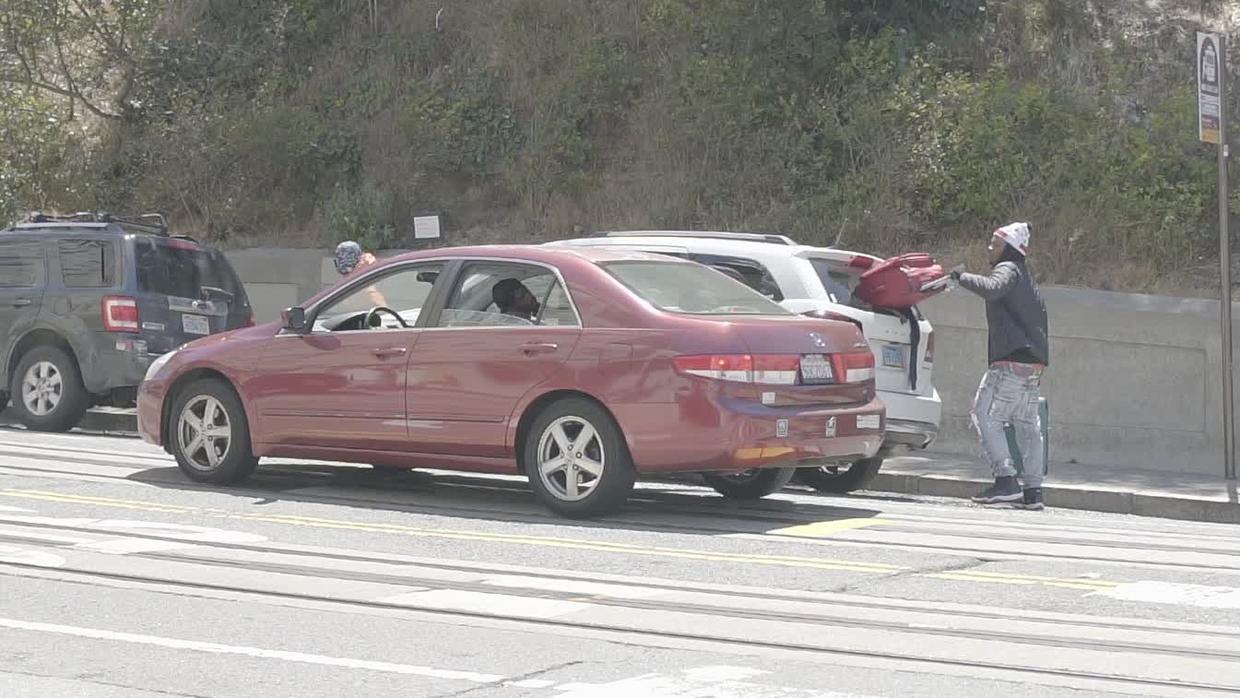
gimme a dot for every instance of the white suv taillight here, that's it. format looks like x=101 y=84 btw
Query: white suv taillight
x=120 y=314
x=930 y=348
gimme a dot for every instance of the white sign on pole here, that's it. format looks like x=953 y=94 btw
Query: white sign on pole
x=1209 y=72
x=426 y=227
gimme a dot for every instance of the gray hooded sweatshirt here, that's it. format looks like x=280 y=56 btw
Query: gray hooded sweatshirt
x=1015 y=312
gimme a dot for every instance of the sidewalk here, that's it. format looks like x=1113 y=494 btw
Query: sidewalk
x=1070 y=486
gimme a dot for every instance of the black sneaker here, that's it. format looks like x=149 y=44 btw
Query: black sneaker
x=1005 y=489
x=1032 y=500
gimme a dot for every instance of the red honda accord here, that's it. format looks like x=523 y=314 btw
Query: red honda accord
x=581 y=368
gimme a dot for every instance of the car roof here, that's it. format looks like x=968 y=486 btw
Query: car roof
x=712 y=243
x=537 y=253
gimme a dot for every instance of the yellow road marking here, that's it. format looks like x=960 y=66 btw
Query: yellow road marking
x=581 y=544
x=823 y=529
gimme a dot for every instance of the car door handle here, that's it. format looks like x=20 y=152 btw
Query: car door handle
x=391 y=353
x=22 y=303
x=536 y=348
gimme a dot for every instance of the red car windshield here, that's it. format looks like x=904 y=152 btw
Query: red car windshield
x=691 y=289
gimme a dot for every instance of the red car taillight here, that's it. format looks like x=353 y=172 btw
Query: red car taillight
x=769 y=369
x=773 y=369
x=250 y=321
x=854 y=367
x=120 y=314
x=930 y=348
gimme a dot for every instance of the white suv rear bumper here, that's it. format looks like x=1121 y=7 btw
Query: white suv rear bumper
x=912 y=420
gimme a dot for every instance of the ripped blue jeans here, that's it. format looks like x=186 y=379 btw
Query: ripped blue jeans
x=1009 y=394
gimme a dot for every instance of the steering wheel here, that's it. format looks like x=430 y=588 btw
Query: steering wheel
x=374 y=313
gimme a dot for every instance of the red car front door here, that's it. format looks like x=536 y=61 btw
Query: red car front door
x=343 y=385
x=469 y=370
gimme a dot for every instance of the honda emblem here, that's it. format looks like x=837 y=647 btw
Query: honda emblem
x=817 y=340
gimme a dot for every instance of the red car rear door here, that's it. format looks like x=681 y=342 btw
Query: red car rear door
x=475 y=362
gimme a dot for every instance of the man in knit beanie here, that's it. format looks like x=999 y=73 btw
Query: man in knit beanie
x=1019 y=352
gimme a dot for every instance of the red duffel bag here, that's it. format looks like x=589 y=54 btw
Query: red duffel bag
x=901 y=282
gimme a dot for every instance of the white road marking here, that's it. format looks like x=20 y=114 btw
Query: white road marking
x=128 y=546
x=530 y=683
x=186 y=535
x=574 y=586
x=1175 y=594
x=21 y=556
x=701 y=682
x=481 y=602
x=281 y=655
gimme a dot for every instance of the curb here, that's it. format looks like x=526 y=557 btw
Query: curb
x=104 y=421
x=1067 y=497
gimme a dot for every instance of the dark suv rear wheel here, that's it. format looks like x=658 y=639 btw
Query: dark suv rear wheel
x=47 y=391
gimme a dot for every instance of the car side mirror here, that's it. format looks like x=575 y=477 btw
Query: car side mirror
x=295 y=320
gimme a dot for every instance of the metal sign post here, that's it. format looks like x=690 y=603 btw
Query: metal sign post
x=1212 y=128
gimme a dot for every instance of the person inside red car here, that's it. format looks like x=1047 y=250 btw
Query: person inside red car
x=514 y=299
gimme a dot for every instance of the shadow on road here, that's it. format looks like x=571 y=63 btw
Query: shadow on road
x=665 y=505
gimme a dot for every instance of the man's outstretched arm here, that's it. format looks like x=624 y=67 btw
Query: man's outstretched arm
x=993 y=286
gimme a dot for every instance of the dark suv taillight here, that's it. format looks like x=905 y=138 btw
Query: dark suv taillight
x=120 y=314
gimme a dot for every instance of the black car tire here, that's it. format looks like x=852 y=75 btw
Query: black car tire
x=73 y=399
x=848 y=478
x=610 y=488
x=238 y=461
x=751 y=484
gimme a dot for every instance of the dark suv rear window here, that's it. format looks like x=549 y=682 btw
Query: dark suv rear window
x=182 y=269
x=87 y=263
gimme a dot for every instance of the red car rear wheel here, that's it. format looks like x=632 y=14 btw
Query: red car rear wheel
x=577 y=460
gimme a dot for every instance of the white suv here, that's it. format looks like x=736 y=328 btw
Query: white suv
x=820 y=281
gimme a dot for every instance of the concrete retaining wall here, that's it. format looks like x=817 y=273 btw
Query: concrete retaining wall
x=1134 y=379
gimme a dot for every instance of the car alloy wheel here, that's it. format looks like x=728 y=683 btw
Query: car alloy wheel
x=571 y=458
x=204 y=433
x=42 y=388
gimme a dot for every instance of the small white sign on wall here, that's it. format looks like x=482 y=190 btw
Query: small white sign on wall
x=426 y=228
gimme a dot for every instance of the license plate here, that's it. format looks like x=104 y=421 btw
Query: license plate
x=893 y=356
x=196 y=324
x=869 y=422
x=816 y=369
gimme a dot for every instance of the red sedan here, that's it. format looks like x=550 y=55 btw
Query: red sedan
x=581 y=368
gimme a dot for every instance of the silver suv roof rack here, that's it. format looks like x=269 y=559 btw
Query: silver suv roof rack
x=748 y=237
x=147 y=222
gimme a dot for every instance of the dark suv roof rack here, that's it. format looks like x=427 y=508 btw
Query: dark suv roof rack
x=147 y=222
x=749 y=237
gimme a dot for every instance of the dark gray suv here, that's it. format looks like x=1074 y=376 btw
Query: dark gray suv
x=88 y=301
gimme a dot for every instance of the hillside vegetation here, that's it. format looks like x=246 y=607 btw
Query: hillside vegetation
x=875 y=124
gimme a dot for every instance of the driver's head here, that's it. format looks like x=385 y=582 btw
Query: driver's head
x=511 y=296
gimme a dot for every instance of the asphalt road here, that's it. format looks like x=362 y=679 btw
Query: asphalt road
x=119 y=577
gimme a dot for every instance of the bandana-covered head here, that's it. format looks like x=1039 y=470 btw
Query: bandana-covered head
x=348 y=255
